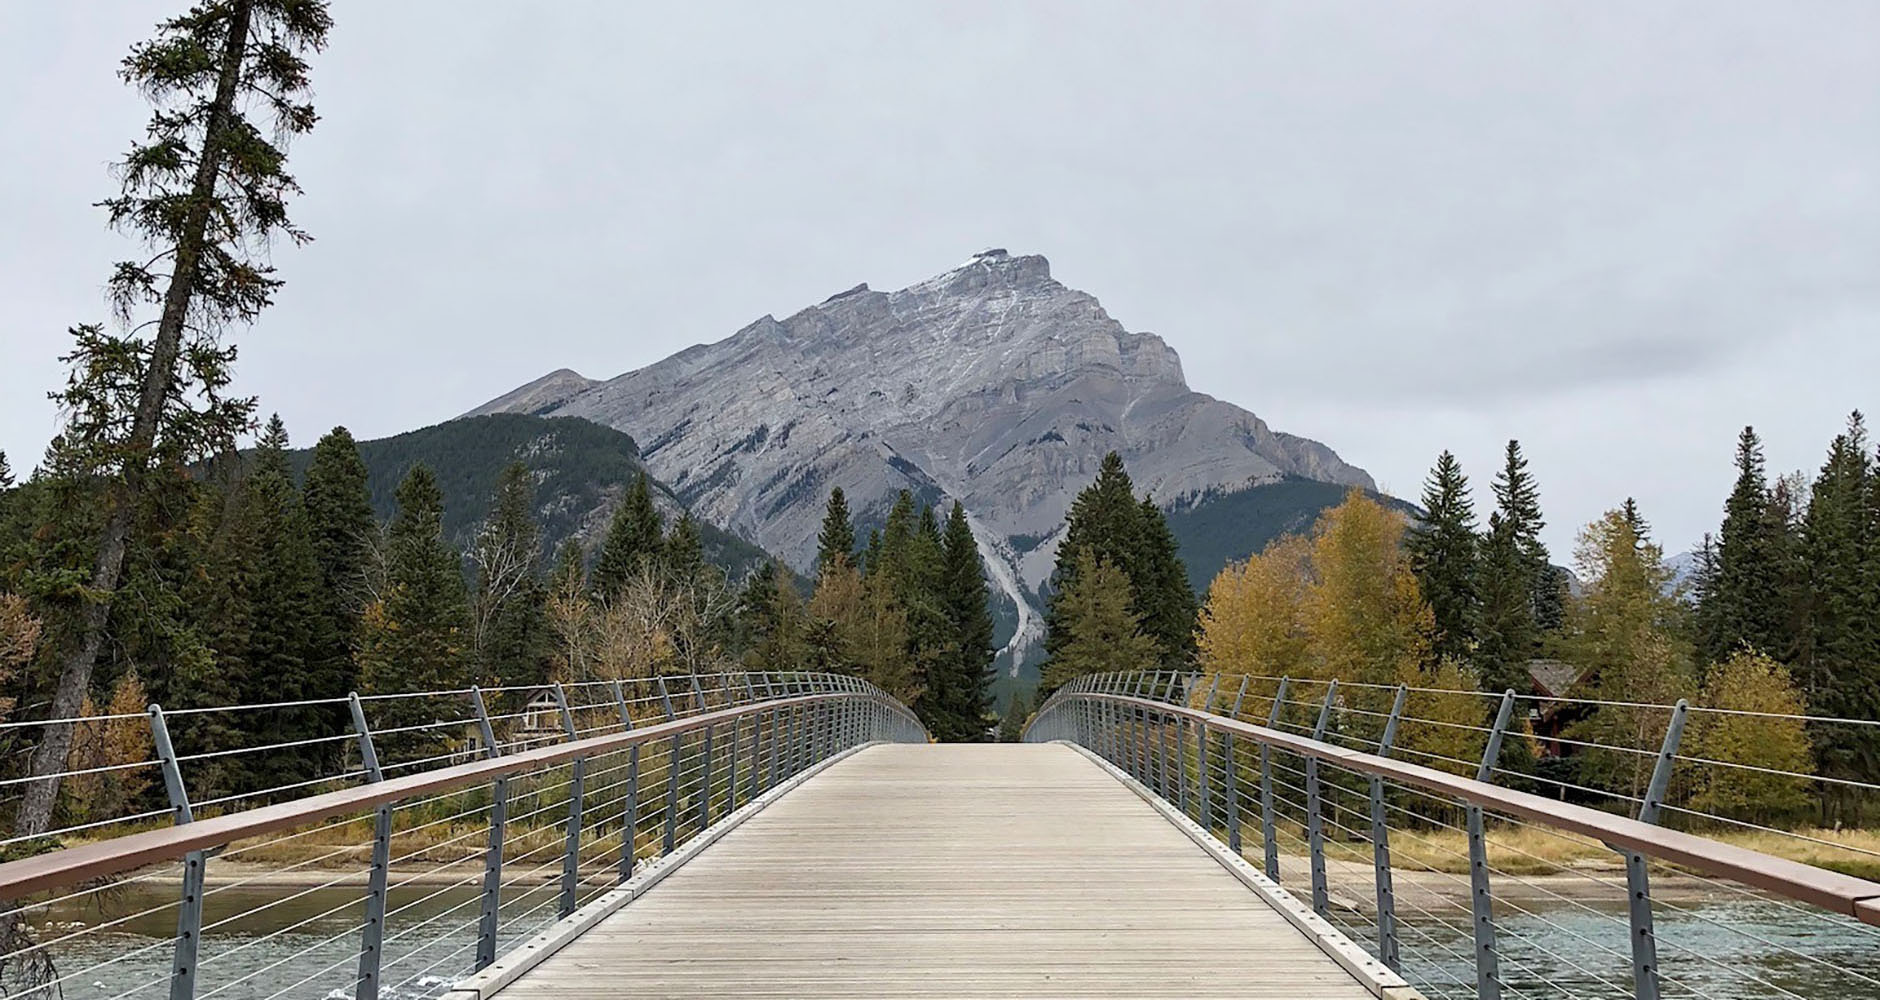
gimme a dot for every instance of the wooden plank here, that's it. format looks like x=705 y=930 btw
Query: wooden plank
x=963 y=871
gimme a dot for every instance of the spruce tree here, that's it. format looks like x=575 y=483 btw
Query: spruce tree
x=871 y=556
x=1443 y=555
x=338 y=504
x=1102 y=633
x=509 y=629
x=633 y=542
x=895 y=556
x=205 y=189
x=838 y=532
x=959 y=685
x=1744 y=599
x=1519 y=590
x=1838 y=666
x=1132 y=536
x=1159 y=589
x=293 y=652
x=417 y=637
x=1705 y=607
x=683 y=552
x=779 y=625
x=1641 y=528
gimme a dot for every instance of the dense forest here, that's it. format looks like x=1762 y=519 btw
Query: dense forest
x=1779 y=622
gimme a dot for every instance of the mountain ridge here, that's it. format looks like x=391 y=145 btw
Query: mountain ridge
x=992 y=384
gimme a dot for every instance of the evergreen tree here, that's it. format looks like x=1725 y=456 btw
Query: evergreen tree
x=778 y=623
x=293 y=652
x=1159 y=589
x=1104 y=519
x=510 y=632
x=1838 y=663
x=683 y=552
x=958 y=684
x=338 y=505
x=633 y=542
x=6 y=473
x=1443 y=555
x=1705 y=607
x=1744 y=599
x=1518 y=587
x=1102 y=633
x=894 y=553
x=1641 y=528
x=871 y=556
x=206 y=188
x=837 y=537
x=417 y=636
x=1132 y=536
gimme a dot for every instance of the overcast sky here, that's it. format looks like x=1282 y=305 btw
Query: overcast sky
x=1616 y=231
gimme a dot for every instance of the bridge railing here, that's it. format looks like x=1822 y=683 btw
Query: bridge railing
x=1429 y=828
x=386 y=845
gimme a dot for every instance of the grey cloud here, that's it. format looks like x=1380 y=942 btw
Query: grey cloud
x=1341 y=214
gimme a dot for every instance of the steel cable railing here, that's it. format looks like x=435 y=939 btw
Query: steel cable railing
x=1438 y=830
x=384 y=845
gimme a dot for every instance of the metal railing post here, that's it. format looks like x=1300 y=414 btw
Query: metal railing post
x=1179 y=780
x=577 y=792
x=1315 y=815
x=1268 y=831
x=1481 y=897
x=704 y=808
x=1232 y=792
x=776 y=745
x=493 y=857
x=757 y=719
x=195 y=863
x=630 y=811
x=372 y=935
x=671 y=835
x=1387 y=950
x=1638 y=874
x=1202 y=803
x=731 y=765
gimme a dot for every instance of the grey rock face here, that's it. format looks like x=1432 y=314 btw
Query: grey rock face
x=991 y=384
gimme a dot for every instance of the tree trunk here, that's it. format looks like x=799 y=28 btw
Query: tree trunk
x=48 y=759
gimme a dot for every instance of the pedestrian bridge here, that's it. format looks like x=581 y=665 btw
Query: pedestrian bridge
x=1158 y=835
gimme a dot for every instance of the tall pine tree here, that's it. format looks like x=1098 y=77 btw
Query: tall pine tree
x=633 y=541
x=1838 y=666
x=1518 y=587
x=1744 y=599
x=338 y=504
x=417 y=636
x=958 y=684
x=1131 y=536
x=205 y=189
x=683 y=552
x=1443 y=555
x=294 y=653
x=837 y=537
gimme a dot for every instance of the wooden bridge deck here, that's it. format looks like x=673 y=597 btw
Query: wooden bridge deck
x=947 y=871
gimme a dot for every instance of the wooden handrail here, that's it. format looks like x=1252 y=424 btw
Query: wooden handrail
x=1845 y=894
x=132 y=851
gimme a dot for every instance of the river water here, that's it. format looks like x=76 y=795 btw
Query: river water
x=265 y=943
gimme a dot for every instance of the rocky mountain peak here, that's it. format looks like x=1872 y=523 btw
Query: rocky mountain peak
x=992 y=384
